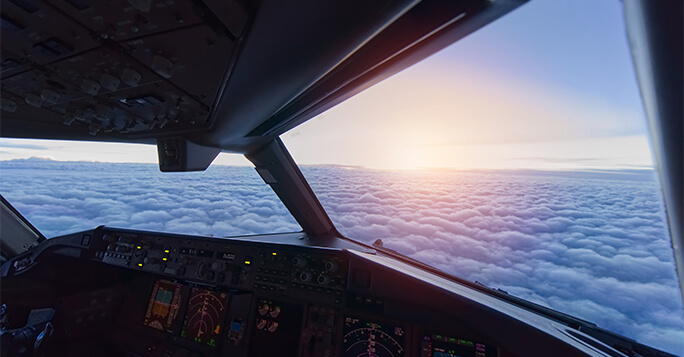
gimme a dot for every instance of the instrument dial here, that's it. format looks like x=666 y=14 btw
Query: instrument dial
x=372 y=339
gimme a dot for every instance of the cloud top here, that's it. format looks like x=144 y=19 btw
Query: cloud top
x=592 y=244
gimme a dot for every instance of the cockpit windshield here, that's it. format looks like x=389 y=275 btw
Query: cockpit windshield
x=59 y=193
x=519 y=158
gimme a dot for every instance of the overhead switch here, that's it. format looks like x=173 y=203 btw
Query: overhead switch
x=103 y=112
x=162 y=66
x=141 y=5
x=8 y=105
x=49 y=96
x=130 y=77
x=33 y=100
x=89 y=86
x=109 y=82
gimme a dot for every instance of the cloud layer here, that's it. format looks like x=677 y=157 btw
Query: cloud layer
x=64 y=197
x=591 y=245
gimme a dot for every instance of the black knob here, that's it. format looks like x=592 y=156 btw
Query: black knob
x=305 y=277
x=218 y=266
x=299 y=262
x=330 y=266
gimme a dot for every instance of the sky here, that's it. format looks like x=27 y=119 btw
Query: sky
x=549 y=86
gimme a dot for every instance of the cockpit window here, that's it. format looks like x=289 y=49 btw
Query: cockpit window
x=59 y=195
x=519 y=158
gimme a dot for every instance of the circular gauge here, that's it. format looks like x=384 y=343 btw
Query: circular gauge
x=203 y=316
x=372 y=339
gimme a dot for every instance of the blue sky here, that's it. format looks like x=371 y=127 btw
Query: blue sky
x=548 y=86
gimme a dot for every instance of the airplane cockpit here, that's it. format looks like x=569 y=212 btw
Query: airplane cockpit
x=198 y=77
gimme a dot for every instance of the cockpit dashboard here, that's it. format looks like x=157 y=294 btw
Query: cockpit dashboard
x=134 y=293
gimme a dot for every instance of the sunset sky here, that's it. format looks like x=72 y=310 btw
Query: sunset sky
x=549 y=86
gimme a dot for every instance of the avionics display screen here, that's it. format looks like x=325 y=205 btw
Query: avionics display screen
x=363 y=337
x=204 y=316
x=449 y=346
x=163 y=306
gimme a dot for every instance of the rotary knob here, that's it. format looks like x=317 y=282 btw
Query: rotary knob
x=323 y=279
x=202 y=269
x=299 y=262
x=305 y=276
x=218 y=266
x=330 y=266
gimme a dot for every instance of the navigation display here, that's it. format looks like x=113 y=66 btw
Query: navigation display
x=372 y=338
x=204 y=316
x=448 y=346
x=162 y=309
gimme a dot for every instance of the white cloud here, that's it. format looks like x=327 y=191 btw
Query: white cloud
x=591 y=245
x=61 y=197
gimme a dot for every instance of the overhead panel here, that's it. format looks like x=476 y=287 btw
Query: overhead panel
x=126 y=68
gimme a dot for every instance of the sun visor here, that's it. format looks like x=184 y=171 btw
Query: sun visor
x=179 y=154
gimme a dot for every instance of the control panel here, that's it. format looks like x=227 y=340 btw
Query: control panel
x=311 y=274
x=157 y=294
x=115 y=67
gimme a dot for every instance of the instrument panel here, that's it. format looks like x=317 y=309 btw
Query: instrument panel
x=280 y=328
x=195 y=296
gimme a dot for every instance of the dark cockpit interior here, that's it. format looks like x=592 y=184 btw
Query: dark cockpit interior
x=197 y=77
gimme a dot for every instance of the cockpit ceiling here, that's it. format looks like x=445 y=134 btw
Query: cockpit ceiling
x=228 y=74
x=76 y=69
